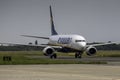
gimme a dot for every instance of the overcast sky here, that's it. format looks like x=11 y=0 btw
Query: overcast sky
x=96 y=20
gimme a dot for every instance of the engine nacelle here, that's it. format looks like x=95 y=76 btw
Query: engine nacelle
x=91 y=51
x=48 y=50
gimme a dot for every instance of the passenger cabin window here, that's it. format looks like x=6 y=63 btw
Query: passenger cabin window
x=79 y=40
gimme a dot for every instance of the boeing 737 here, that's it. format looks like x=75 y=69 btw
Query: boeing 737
x=66 y=43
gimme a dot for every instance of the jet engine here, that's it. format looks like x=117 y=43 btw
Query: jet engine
x=91 y=51
x=48 y=50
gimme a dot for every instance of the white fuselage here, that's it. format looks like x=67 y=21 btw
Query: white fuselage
x=76 y=42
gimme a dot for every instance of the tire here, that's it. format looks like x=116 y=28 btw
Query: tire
x=76 y=55
x=80 y=56
x=53 y=56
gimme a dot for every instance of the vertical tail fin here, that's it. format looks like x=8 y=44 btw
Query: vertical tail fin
x=53 y=31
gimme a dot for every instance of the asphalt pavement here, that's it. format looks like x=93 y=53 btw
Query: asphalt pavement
x=60 y=72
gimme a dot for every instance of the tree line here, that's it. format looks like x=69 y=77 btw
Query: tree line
x=37 y=48
x=20 y=48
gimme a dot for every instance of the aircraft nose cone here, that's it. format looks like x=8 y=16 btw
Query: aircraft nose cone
x=82 y=45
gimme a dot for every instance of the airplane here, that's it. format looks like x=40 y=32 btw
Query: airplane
x=66 y=43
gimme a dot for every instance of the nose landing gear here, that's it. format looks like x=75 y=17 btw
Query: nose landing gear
x=78 y=55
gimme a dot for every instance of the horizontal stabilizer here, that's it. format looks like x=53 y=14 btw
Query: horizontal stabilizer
x=35 y=36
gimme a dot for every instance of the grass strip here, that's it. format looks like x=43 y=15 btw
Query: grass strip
x=19 y=57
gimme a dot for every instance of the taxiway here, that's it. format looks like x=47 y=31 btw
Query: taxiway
x=60 y=72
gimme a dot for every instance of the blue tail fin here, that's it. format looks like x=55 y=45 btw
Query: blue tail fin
x=53 y=31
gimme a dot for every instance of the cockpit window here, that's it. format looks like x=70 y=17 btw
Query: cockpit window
x=79 y=40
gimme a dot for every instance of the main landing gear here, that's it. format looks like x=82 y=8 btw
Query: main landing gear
x=78 y=55
x=53 y=56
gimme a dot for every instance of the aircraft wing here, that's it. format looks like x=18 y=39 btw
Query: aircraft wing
x=40 y=45
x=35 y=36
x=101 y=44
x=18 y=44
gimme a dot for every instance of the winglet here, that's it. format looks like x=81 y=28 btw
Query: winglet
x=53 y=31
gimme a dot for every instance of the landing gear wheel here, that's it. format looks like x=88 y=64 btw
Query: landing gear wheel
x=45 y=54
x=53 y=56
x=78 y=55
